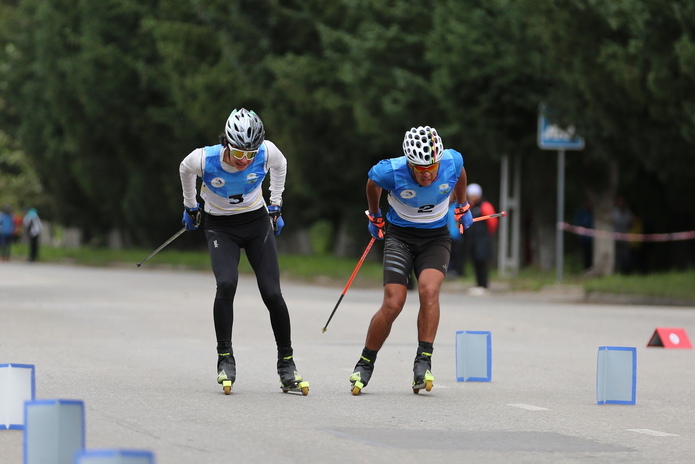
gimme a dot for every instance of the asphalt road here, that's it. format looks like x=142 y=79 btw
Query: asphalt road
x=137 y=346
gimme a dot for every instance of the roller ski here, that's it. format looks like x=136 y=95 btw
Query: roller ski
x=290 y=379
x=422 y=374
x=363 y=372
x=226 y=371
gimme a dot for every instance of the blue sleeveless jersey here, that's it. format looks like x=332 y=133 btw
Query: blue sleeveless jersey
x=237 y=187
x=411 y=204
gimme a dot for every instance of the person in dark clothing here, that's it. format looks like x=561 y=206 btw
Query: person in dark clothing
x=478 y=238
x=585 y=218
x=6 y=232
x=33 y=227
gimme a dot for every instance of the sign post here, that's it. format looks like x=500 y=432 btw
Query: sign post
x=552 y=136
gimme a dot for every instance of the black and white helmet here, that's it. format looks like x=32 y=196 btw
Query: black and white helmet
x=422 y=146
x=244 y=130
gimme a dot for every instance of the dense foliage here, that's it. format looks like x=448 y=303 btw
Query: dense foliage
x=105 y=98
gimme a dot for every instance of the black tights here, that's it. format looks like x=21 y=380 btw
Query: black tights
x=226 y=236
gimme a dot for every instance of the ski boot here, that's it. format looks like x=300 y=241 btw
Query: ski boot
x=226 y=371
x=422 y=375
x=290 y=379
x=363 y=372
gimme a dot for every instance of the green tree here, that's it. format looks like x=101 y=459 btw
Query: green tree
x=107 y=97
x=623 y=73
x=84 y=98
x=19 y=184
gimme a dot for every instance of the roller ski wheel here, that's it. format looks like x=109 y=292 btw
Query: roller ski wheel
x=427 y=383
x=226 y=371
x=357 y=388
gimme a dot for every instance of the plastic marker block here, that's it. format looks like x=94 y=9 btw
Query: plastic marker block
x=54 y=431
x=17 y=385
x=473 y=356
x=670 y=337
x=616 y=375
x=114 y=456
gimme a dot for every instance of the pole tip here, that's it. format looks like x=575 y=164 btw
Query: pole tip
x=504 y=213
x=324 y=330
x=138 y=264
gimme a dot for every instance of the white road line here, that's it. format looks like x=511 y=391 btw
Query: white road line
x=528 y=407
x=654 y=433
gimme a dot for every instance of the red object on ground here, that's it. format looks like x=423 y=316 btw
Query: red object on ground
x=670 y=337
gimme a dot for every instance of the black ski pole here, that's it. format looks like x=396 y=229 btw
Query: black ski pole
x=171 y=239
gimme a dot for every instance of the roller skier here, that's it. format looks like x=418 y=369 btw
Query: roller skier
x=237 y=217
x=419 y=185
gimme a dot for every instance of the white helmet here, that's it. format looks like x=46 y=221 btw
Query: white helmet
x=244 y=130
x=474 y=190
x=423 y=146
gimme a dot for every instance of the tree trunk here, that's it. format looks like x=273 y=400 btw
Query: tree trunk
x=344 y=243
x=297 y=242
x=542 y=211
x=604 y=248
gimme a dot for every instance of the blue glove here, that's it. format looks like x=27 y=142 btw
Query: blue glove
x=463 y=216
x=275 y=213
x=191 y=218
x=376 y=225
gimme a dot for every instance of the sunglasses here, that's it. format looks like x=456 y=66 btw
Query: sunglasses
x=239 y=154
x=430 y=168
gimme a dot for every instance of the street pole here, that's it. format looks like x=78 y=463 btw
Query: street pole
x=559 y=245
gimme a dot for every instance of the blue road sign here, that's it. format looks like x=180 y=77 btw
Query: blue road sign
x=553 y=137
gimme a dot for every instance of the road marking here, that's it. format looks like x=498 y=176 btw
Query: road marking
x=654 y=433
x=528 y=407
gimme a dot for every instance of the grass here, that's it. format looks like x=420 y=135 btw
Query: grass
x=326 y=269
x=316 y=268
x=670 y=285
x=105 y=257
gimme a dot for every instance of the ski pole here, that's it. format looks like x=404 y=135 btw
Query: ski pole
x=349 y=282
x=484 y=218
x=490 y=216
x=171 y=239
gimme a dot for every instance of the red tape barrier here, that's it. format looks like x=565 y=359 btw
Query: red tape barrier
x=690 y=235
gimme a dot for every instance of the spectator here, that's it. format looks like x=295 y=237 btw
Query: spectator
x=6 y=232
x=585 y=218
x=622 y=223
x=478 y=238
x=33 y=227
x=17 y=234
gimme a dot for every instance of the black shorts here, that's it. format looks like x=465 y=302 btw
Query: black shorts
x=408 y=248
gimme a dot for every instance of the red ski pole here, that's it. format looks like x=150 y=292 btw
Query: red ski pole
x=349 y=282
x=484 y=218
